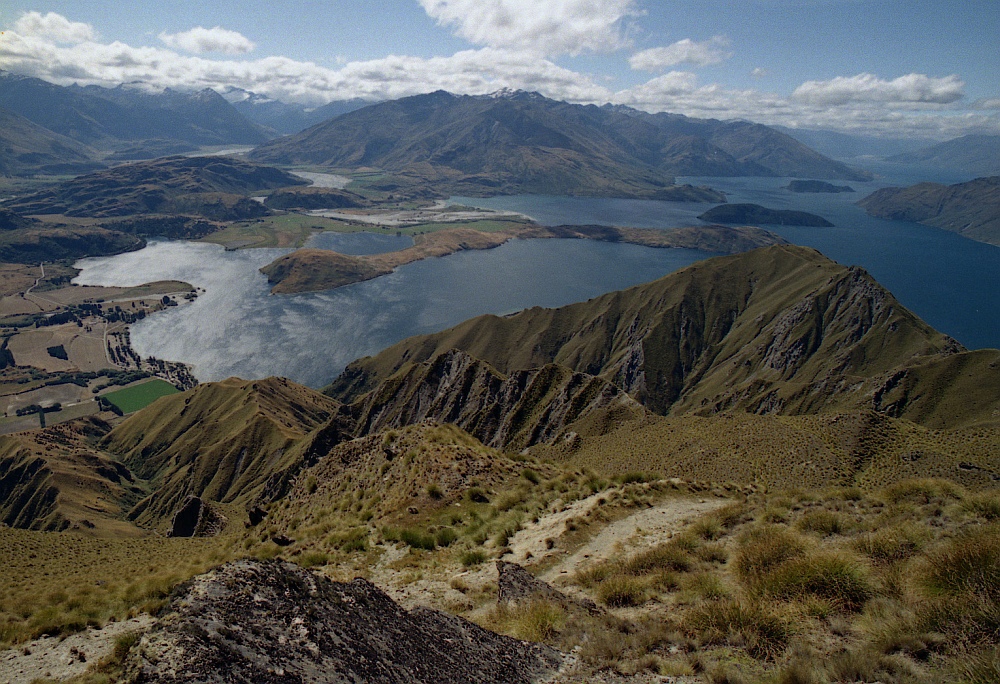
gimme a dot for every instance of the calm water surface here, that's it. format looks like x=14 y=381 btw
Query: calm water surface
x=951 y=282
x=237 y=328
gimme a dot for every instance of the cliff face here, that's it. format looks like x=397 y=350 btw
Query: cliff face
x=512 y=412
x=778 y=330
x=253 y=621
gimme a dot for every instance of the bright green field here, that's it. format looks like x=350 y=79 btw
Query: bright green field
x=140 y=396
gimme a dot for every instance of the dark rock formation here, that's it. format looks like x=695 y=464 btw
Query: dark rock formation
x=816 y=186
x=516 y=585
x=754 y=214
x=261 y=622
x=196 y=518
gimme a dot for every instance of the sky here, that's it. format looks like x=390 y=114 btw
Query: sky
x=895 y=68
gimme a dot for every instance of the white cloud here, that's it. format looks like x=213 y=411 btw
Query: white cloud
x=53 y=27
x=914 y=104
x=687 y=51
x=912 y=88
x=551 y=27
x=759 y=72
x=200 y=39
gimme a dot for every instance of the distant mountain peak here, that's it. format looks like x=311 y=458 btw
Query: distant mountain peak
x=513 y=94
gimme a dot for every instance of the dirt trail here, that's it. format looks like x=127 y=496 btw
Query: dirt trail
x=639 y=530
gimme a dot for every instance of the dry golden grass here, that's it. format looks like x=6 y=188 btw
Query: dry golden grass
x=56 y=583
x=897 y=585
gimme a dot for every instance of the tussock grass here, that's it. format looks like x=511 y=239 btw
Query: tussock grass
x=530 y=620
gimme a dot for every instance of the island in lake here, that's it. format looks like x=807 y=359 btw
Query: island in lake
x=755 y=214
x=811 y=186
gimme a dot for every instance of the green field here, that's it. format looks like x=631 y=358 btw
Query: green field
x=140 y=396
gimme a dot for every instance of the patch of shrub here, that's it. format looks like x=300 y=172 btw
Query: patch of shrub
x=474 y=557
x=620 y=591
x=762 y=550
x=417 y=540
x=834 y=576
x=751 y=625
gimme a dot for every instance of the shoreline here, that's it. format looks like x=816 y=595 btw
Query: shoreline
x=313 y=270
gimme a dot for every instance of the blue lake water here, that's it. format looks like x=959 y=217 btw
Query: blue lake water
x=237 y=328
x=951 y=282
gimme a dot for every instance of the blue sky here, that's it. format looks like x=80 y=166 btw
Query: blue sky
x=900 y=67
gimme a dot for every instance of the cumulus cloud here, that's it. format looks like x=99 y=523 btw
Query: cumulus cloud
x=687 y=51
x=67 y=52
x=53 y=27
x=200 y=39
x=912 y=88
x=552 y=27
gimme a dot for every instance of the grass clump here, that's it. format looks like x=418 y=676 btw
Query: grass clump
x=473 y=558
x=748 y=624
x=762 y=550
x=537 y=621
x=834 y=576
x=416 y=539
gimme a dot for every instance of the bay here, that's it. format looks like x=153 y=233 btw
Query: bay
x=237 y=328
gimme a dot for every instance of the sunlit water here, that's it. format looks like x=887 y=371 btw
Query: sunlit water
x=237 y=328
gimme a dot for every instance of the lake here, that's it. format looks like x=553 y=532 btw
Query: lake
x=951 y=282
x=237 y=328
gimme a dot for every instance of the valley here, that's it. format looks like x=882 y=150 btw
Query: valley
x=464 y=388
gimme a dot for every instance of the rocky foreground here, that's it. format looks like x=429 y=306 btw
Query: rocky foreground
x=270 y=621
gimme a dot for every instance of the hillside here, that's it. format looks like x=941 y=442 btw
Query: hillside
x=222 y=441
x=56 y=480
x=974 y=154
x=785 y=331
x=523 y=142
x=215 y=187
x=970 y=209
x=104 y=117
x=27 y=148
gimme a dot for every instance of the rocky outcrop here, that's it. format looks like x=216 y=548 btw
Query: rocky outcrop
x=196 y=518
x=524 y=408
x=517 y=585
x=261 y=622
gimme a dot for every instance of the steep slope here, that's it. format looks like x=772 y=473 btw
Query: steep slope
x=522 y=142
x=777 y=330
x=168 y=185
x=970 y=209
x=975 y=154
x=527 y=407
x=103 y=117
x=221 y=441
x=54 y=479
x=27 y=148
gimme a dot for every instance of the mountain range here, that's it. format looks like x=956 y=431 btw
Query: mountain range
x=786 y=332
x=522 y=142
x=978 y=155
x=213 y=187
x=104 y=117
